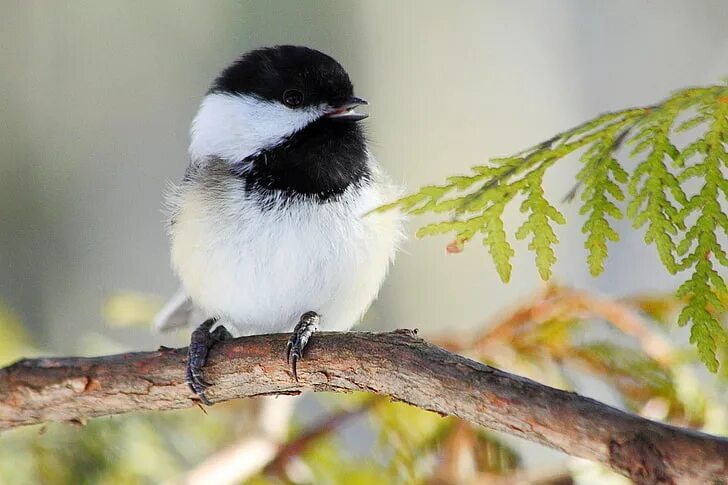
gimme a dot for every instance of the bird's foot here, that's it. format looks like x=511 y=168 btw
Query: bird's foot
x=201 y=342
x=299 y=338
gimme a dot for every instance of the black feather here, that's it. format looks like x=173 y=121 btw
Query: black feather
x=268 y=72
x=320 y=162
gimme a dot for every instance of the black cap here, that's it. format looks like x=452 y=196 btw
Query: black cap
x=287 y=73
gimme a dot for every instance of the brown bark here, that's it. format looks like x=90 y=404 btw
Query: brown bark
x=395 y=364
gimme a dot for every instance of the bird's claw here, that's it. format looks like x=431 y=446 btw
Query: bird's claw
x=306 y=326
x=201 y=342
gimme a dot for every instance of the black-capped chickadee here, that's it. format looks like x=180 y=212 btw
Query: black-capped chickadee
x=270 y=228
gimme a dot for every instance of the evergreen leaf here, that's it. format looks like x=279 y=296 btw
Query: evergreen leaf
x=497 y=243
x=538 y=224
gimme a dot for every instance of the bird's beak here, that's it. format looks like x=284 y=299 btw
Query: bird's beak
x=345 y=111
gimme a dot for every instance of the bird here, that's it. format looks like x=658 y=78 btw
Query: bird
x=273 y=226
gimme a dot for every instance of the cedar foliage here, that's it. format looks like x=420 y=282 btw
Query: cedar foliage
x=685 y=227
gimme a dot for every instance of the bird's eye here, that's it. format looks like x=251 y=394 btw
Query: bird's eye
x=292 y=98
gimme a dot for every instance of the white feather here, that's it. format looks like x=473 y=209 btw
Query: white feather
x=223 y=127
x=259 y=269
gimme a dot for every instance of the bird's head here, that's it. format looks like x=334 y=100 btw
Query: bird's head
x=266 y=96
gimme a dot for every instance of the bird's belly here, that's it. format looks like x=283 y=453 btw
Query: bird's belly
x=261 y=272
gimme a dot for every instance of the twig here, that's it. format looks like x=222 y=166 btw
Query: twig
x=233 y=464
x=559 y=302
x=296 y=446
x=248 y=456
x=395 y=364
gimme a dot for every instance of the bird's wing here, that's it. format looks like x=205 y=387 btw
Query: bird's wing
x=178 y=312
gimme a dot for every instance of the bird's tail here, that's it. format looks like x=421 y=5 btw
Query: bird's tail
x=178 y=312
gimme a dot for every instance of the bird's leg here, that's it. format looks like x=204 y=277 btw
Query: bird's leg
x=201 y=342
x=306 y=326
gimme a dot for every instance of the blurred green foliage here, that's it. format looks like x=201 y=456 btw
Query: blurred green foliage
x=14 y=340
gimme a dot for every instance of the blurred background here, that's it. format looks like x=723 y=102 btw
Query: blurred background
x=96 y=102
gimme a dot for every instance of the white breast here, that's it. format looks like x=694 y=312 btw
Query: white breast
x=259 y=269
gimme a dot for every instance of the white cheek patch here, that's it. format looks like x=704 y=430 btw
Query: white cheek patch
x=234 y=127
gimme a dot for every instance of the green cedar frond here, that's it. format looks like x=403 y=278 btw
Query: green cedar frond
x=652 y=183
x=495 y=239
x=704 y=286
x=683 y=228
x=601 y=177
x=538 y=224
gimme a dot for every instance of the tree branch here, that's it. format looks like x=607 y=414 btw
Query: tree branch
x=395 y=364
